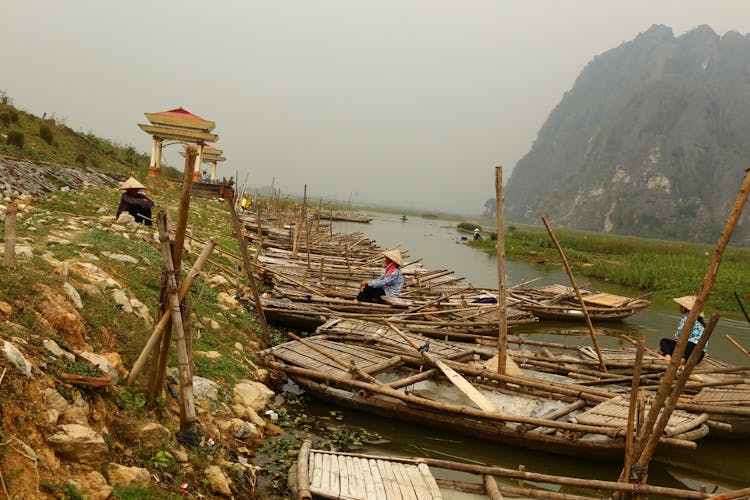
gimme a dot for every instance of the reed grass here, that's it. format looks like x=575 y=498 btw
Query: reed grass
x=667 y=268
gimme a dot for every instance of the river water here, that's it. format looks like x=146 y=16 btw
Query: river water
x=716 y=464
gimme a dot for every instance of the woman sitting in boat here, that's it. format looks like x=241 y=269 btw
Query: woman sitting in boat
x=389 y=283
x=666 y=346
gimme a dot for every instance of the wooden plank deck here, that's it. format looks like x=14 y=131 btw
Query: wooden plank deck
x=614 y=413
x=299 y=354
x=339 y=475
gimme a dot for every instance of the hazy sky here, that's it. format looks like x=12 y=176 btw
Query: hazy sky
x=407 y=102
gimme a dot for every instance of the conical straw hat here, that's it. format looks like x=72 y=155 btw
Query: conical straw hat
x=132 y=183
x=395 y=256
x=687 y=302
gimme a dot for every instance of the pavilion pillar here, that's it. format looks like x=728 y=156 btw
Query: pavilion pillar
x=159 y=149
x=213 y=172
x=153 y=169
x=198 y=163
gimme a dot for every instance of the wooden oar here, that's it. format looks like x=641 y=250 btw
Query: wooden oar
x=461 y=383
x=738 y=346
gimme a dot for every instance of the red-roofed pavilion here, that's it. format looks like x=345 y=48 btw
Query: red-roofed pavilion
x=178 y=125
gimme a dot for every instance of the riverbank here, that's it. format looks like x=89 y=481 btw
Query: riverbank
x=666 y=268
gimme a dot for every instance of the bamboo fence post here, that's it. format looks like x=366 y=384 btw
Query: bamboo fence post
x=187 y=406
x=164 y=320
x=632 y=406
x=182 y=216
x=249 y=271
x=709 y=279
x=578 y=294
x=502 y=337
x=9 y=257
x=260 y=233
x=737 y=345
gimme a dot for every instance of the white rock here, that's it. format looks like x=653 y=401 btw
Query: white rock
x=54 y=400
x=129 y=477
x=204 y=388
x=79 y=443
x=24 y=251
x=252 y=394
x=16 y=357
x=125 y=218
x=121 y=257
x=227 y=302
x=73 y=295
x=122 y=300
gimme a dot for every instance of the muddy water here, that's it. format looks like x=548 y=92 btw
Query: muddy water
x=716 y=464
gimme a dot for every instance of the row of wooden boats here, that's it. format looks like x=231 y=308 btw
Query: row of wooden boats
x=399 y=359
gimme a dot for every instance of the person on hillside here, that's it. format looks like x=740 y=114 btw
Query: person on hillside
x=666 y=346
x=477 y=235
x=245 y=202
x=389 y=283
x=134 y=202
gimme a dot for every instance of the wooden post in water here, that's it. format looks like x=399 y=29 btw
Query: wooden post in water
x=602 y=366
x=9 y=257
x=502 y=337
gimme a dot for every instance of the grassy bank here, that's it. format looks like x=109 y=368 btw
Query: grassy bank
x=667 y=268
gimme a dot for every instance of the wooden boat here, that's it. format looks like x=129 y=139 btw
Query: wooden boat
x=559 y=302
x=330 y=474
x=524 y=412
x=345 y=217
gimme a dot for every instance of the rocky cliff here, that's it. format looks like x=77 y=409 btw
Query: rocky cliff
x=650 y=141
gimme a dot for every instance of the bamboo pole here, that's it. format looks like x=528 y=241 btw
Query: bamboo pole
x=9 y=257
x=182 y=216
x=249 y=271
x=643 y=455
x=578 y=294
x=187 y=405
x=303 y=471
x=632 y=406
x=502 y=336
x=737 y=345
x=166 y=317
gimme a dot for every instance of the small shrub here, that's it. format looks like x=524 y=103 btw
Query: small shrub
x=468 y=226
x=15 y=138
x=45 y=132
x=5 y=118
x=81 y=159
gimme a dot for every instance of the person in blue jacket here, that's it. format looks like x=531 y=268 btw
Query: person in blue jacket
x=389 y=283
x=666 y=346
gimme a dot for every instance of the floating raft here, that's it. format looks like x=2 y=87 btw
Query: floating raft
x=338 y=475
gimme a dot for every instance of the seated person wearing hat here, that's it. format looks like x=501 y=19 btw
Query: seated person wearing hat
x=666 y=346
x=389 y=283
x=135 y=202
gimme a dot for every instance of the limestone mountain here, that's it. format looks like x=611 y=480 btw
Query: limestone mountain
x=652 y=140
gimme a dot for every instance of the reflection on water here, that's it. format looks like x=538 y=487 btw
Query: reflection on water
x=439 y=246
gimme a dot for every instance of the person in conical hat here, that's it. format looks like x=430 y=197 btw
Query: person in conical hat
x=134 y=202
x=389 y=283
x=667 y=346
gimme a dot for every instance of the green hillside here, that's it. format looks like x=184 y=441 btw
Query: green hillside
x=48 y=139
